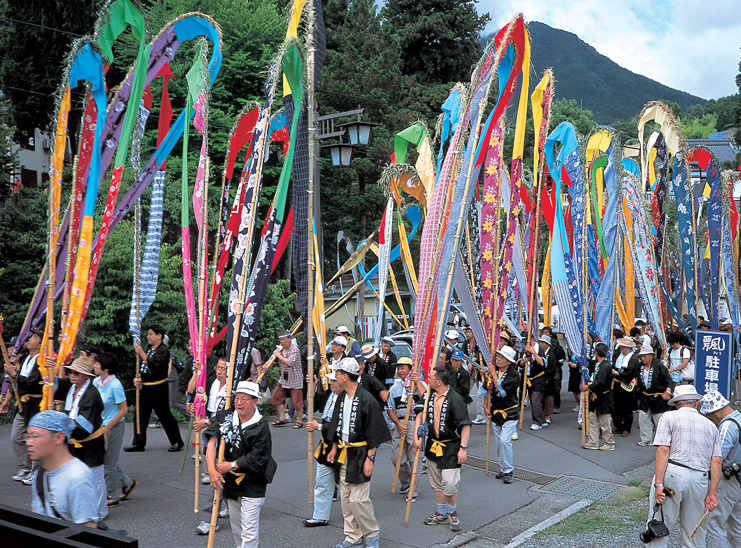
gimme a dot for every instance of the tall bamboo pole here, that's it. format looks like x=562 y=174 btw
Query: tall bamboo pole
x=137 y=248
x=397 y=468
x=313 y=181
x=585 y=309
x=460 y=218
x=240 y=302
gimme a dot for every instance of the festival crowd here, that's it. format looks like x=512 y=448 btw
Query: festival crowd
x=365 y=396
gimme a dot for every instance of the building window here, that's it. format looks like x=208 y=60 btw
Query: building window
x=29 y=178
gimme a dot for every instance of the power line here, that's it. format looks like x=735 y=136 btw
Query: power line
x=250 y=74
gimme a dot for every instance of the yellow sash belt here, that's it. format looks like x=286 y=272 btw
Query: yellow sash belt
x=437 y=446
x=535 y=377
x=154 y=383
x=344 y=445
x=94 y=435
x=653 y=394
x=502 y=412
x=26 y=397
x=240 y=476
x=321 y=448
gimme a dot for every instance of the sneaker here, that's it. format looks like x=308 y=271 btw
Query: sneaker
x=193 y=456
x=372 y=542
x=28 y=480
x=479 y=421
x=515 y=436
x=645 y=443
x=347 y=544
x=311 y=522
x=414 y=498
x=126 y=491
x=112 y=502
x=404 y=490
x=535 y=427
x=607 y=448
x=155 y=425
x=455 y=523
x=205 y=478
x=548 y=421
x=204 y=527
x=334 y=495
x=500 y=475
x=575 y=410
x=587 y=446
x=437 y=519
x=556 y=410
x=21 y=474
x=508 y=477
x=424 y=469
x=224 y=513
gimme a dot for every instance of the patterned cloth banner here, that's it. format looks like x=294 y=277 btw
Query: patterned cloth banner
x=565 y=287
x=715 y=227
x=384 y=245
x=658 y=198
x=731 y=286
x=641 y=247
x=610 y=240
x=466 y=300
x=88 y=66
x=568 y=158
x=452 y=110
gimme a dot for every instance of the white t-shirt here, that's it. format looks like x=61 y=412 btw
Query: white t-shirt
x=346 y=412
x=677 y=356
x=215 y=396
x=71 y=490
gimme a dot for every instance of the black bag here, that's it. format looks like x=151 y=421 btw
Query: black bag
x=270 y=468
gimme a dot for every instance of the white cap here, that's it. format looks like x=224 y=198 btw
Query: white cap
x=341 y=329
x=508 y=353
x=249 y=388
x=348 y=365
x=451 y=334
x=646 y=349
x=684 y=392
x=332 y=376
x=339 y=339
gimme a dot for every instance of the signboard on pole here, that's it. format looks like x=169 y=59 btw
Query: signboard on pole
x=713 y=357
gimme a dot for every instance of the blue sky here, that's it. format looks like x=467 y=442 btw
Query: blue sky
x=691 y=45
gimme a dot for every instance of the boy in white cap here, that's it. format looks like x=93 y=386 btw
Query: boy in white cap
x=724 y=523
x=248 y=449
x=505 y=408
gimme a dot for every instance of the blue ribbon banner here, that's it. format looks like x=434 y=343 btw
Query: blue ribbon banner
x=713 y=354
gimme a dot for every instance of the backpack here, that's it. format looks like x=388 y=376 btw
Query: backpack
x=688 y=373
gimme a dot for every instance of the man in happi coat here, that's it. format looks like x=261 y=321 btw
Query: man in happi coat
x=655 y=386
x=377 y=367
x=241 y=475
x=600 y=401
x=625 y=366
x=448 y=428
x=154 y=371
x=505 y=408
x=398 y=409
x=541 y=363
x=358 y=428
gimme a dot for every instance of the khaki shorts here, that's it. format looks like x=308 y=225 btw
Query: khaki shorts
x=445 y=480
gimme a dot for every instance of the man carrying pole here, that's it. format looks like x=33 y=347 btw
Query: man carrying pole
x=446 y=446
x=241 y=475
x=404 y=403
x=504 y=411
x=358 y=428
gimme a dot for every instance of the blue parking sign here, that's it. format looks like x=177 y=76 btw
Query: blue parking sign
x=713 y=357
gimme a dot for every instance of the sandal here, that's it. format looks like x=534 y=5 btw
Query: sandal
x=279 y=422
x=297 y=425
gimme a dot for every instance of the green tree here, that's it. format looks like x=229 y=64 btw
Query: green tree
x=439 y=38
x=569 y=111
x=699 y=128
x=9 y=165
x=33 y=54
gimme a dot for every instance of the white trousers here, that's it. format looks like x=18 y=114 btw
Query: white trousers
x=724 y=523
x=99 y=474
x=323 y=491
x=647 y=422
x=503 y=444
x=686 y=505
x=244 y=516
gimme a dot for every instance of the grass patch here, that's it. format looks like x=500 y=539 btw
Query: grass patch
x=627 y=509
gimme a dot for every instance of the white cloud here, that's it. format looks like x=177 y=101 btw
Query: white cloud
x=685 y=44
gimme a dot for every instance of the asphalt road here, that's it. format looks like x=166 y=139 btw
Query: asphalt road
x=160 y=512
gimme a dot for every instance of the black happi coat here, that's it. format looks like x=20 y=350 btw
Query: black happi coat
x=374 y=386
x=538 y=382
x=460 y=381
x=453 y=417
x=155 y=368
x=321 y=397
x=659 y=379
x=510 y=402
x=89 y=414
x=381 y=370
x=600 y=397
x=30 y=389
x=250 y=447
x=366 y=424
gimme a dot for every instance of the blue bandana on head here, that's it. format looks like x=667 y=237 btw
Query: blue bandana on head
x=458 y=355
x=53 y=421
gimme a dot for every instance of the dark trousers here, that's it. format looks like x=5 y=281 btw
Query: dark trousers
x=622 y=415
x=156 y=398
x=536 y=405
x=557 y=380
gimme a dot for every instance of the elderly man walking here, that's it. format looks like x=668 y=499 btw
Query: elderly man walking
x=724 y=524
x=688 y=451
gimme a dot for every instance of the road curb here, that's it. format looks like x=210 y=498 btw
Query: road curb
x=554 y=519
